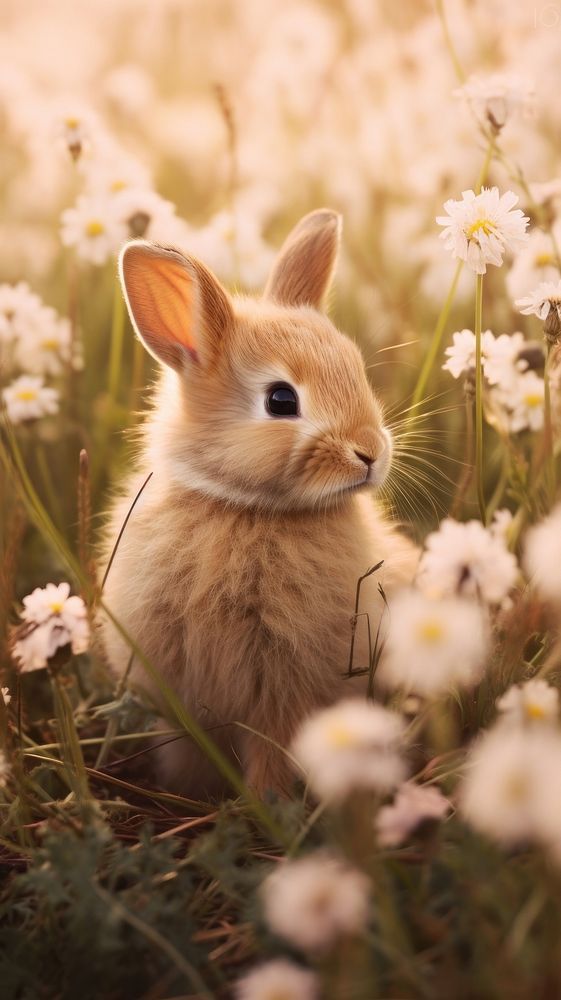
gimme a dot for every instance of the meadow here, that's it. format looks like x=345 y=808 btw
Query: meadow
x=418 y=854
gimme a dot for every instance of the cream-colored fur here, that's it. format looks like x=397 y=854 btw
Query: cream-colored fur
x=237 y=571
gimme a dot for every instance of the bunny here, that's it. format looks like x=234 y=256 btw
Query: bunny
x=237 y=571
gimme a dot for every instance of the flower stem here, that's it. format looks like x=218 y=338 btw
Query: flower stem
x=449 y=43
x=479 y=397
x=117 y=334
x=486 y=164
x=549 y=453
x=435 y=342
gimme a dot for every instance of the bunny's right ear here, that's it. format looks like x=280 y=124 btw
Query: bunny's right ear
x=178 y=308
x=303 y=270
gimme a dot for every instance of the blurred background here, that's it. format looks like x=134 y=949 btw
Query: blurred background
x=213 y=126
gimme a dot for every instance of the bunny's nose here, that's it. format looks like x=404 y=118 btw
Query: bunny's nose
x=367 y=459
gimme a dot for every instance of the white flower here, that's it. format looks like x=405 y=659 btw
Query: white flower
x=46 y=345
x=467 y=559
x=536 y=700
x=527 y=403
x=19 y=307
x=278 y=979
x=6 y=695
x=480 y=228
x=495 y=98
x=501 y=524
x=95 y=227
x=545 y=298
x=112 y=172
x=503 y=362
x=461 y=354
x=353 y=744
x=433 y=645
x=315 y=900
x=536 y=262
x=51 y=619
x=512 y=785
x=542 y=556
x=27 y=398
x=73 y=126
x=144 y=213
x=413 y=804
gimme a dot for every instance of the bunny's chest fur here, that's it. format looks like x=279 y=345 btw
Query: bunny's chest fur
x=240 y=611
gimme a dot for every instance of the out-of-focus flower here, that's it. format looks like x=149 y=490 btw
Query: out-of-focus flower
x=461 y=353
x=512 y=785
x=6 y=695
x=352 y=745
x=534 y=701
x=536 y=262
x=315 y=900
x=232 y=245
x=468 y=560
x=18 y=309
x=46 y=345
x=504 y=359
x=544 y=299
x=433 y=645
x=27 y=398
x=278 y=979
x=481 y=228
x=144 y=213
x=542 y=556
x=74 y=127
x=95 y=227
x=51 y=619
x=413 y=805
x=501 y=524
x=495 y=98
x=527 y=403
x=112 y=171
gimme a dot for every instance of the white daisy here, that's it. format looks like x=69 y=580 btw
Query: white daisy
x=512 y=785
x=544 y=299
x=353 y=744
x=413 y=804
x=542 y=556
x=433 y=645
x=468 y=560
x=51 y=619
x=45 y=347
x=315 y=900
x=27 y=398
x=495 y=98
x=480 y=228
x=461 y=353
x=526 y=403
x=534 y=701
x=278 y=979
x=535 y=263
x=95 y=227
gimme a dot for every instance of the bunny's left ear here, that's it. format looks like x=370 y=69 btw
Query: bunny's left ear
x=303 y=270
x=178 y=308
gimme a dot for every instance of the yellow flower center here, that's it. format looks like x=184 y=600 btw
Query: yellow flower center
x=94 y=228
x=49 y=344
x=532 y=400
x=72 y=122
x=340 y=736
x=431 y=631
x=26 y=395
x=56 y=607
x=543 y=259
x=117 y=185
x=480 y=226
x=534 y=711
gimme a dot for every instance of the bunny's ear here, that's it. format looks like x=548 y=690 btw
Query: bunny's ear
x=177 y=307
x=302 y=272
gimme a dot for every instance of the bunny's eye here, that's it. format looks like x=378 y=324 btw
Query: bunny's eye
x=282 y=401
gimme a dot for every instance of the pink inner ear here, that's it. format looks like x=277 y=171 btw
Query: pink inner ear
x=161 y=296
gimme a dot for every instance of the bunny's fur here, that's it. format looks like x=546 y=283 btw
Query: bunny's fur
x=237 y=571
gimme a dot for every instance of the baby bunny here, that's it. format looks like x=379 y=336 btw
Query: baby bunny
x=237 y=571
